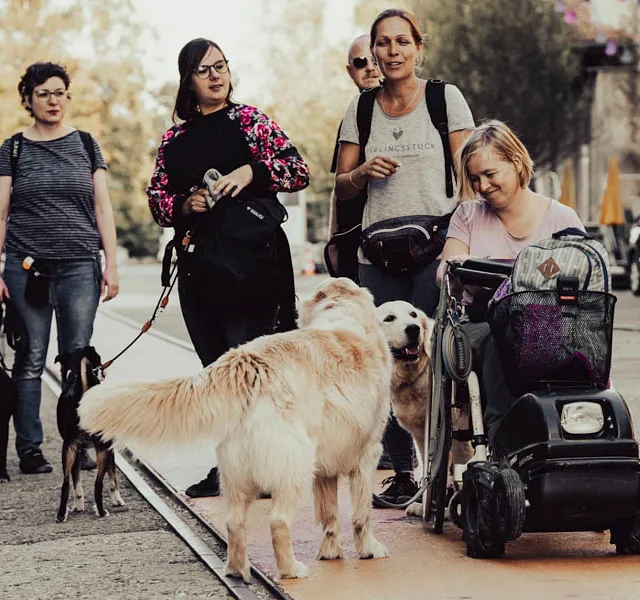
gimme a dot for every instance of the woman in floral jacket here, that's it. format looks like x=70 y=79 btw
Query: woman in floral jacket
x=253 y=154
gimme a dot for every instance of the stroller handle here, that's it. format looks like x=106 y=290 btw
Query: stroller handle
x=481 y=272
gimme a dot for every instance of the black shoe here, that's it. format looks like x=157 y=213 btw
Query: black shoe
x=401 y=488
x=208 y=487
x=34 y=462
x=86 y=462
x=385 y=464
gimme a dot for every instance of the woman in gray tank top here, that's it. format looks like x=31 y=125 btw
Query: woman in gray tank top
x=55 y=214
x=404 y=174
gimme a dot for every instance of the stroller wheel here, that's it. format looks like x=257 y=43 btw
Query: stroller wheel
x=478 y=510
x=510 y=508
x=455 y=510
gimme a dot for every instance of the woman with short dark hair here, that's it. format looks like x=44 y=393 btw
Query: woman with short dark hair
x=55 y=214
x=254 y=158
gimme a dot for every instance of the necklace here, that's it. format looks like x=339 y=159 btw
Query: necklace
x=406 y=108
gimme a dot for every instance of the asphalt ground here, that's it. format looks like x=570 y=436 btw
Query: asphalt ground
x=130 y=554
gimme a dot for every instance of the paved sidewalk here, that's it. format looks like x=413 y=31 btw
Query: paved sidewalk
x=131 y=554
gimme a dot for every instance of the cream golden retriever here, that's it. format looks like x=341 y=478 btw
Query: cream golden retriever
x=408 y=334
x=286 y=411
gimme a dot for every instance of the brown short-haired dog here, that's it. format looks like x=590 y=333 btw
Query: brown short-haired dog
x=79 y=373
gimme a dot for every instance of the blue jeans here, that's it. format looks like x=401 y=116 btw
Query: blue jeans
x=74 y=293
x=419 y=289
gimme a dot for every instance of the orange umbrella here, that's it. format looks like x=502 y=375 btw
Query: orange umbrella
x=567 y=193
x=611 y=211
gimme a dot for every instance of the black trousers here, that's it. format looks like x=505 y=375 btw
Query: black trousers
x=213 y=331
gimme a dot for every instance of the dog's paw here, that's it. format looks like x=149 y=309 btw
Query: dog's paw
x=105 y=512
x=243 y=572
x=78 y=505
x=374 y=549
x=116 y=499
x=4 y=477
x=61 y=518
x=330 y=548
x=296 y=571
x=414 y=510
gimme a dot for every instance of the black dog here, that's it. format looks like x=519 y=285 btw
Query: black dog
x=79 y=373
x=13 y=330
x=7 y=408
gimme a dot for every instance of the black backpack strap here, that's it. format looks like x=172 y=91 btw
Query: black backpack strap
x=16 y=148
x=87 y=142
x=364 y=115
x=437 y=107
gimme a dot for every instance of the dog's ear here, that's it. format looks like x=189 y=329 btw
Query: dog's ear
x=427 y=327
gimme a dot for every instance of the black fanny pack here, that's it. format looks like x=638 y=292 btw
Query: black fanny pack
x=405 y=244
x=232 y=250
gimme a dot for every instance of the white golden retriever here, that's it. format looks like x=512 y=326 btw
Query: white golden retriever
x=408 y=333
x=284 y=410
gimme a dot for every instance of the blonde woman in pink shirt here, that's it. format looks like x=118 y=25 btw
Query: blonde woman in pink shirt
x=505 y=215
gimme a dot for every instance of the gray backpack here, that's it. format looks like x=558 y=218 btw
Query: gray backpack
x=567 y=254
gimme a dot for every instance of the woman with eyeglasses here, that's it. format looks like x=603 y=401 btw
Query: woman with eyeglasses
x=255 y=158
x=55 y=215
x=403 y=169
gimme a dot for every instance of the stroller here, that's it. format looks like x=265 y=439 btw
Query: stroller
x=566 y=459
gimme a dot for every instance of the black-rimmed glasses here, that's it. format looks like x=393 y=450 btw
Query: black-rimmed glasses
x=360 y=62
x=44 y=95
x=204 y=71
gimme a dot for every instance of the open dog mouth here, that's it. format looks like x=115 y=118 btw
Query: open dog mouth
x=411 y=352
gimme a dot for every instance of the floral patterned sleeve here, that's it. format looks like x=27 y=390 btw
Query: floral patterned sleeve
x=277 y=164
x=161 y=199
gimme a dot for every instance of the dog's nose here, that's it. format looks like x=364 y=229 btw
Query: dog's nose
x=412 y=331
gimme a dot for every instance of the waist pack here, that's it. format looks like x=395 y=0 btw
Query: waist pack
x=405 y=244
x=231 y=253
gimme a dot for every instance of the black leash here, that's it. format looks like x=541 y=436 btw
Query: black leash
x=160 y=306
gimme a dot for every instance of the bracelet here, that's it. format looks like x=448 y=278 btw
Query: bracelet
x=351 y=181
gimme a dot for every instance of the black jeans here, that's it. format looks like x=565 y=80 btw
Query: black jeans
x=495 y=392
x=213 y=331
x=419 y=289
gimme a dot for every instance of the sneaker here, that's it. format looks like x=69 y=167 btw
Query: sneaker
x=401 y=488
x=34 y=462
x=208 y=487
x=86 y=462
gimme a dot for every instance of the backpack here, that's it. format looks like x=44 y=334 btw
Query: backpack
x=16 y=148
x=568 y=258
x=348 y=237
x=552 y=319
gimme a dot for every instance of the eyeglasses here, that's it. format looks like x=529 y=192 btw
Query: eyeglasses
x=204 y=71
x=44 y=95
x=360 y=62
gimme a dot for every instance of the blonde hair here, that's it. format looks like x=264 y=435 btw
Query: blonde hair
x=504 y=142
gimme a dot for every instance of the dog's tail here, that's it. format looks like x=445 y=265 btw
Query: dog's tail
x=178 y=411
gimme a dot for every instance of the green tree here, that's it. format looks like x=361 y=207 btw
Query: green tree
x=515 y=61
x=100 y=45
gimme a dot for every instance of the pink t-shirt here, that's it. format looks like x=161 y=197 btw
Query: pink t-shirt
x=477 y=226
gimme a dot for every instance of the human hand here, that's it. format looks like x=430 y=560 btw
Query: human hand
x=379 y=167
x=233 y=183
x=4 y=290
x=111 y=282
x=196 y=203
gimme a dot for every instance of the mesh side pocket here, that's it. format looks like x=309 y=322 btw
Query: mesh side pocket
x=540 y=340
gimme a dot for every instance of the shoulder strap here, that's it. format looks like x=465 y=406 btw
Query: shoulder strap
x=437 y=107
x=87 y=142
x=16 y=147
x=364 y=115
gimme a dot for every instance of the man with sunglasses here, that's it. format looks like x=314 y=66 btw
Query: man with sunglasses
x=364 y=73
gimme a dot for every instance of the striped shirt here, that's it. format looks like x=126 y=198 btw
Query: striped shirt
x=52 y=212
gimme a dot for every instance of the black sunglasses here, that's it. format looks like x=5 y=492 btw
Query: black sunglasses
x=360 y=62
